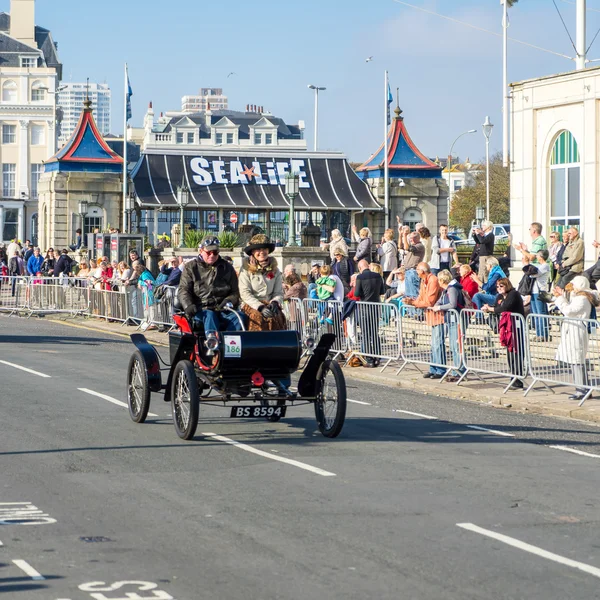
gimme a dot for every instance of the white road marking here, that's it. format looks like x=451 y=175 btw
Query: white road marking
x=288 y=461
x=532 y=549
x=24 y=369
x=28 y=569
x=414 y=414
x=359 y=402
x=113 y=400
x=580 y=452
x=494 y=431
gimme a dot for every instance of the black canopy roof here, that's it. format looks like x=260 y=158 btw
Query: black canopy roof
x=253 y=182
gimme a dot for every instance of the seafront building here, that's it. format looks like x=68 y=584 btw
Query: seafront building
x=30 y=71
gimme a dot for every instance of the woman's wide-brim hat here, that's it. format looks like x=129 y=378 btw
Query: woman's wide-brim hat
x=257 y=242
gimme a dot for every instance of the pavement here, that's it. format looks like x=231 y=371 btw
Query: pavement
x=553 y=401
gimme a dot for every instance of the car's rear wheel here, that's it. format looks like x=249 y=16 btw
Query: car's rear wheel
x=185 y=399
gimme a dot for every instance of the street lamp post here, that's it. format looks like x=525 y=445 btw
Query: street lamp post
x=487 y=132
x=183 y=199
x=479 y=214
x=449 y=165
x=317 y=90
x=292 y=189
x=83 y=208
x=129 y=207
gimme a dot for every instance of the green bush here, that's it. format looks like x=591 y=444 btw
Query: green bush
x=193 y=237
x=229 y=239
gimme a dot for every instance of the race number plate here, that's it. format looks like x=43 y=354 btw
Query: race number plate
x=253 y=412
x=233 y=346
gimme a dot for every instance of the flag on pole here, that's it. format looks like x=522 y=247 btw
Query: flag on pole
x=128 y=96
x=390 y=99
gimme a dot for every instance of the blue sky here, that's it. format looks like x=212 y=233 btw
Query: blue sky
x=449 y=76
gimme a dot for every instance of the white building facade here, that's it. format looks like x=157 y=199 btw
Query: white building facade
x=70 y=103
x=212 y=98
x=555 y=156
x=213 y=129
x=29 y=74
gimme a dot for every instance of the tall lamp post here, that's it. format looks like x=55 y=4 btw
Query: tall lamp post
x=487 y=132
x=479 y=214
x=292 y=189
x=129 y=207
x=449 y=165
x=183 y=199
x=317 y=90
x=83 y=208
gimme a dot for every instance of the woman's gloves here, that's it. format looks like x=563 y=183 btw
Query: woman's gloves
x=269 y=311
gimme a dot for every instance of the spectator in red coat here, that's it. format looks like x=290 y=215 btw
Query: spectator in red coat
x=467 y=282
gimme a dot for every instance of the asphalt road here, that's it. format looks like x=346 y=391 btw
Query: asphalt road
x=401 y=505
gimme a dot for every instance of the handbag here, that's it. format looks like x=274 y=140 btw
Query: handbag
x=525 y=287
x=545 y=297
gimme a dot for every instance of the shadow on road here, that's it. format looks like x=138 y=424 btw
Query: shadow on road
x=303 y=431
x=40 y=340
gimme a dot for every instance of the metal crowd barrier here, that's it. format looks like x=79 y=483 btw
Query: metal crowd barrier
x=373 y=330
x=564 y=351
x=433 y=339
x=13 y=291
x=294 y=314
x=325 y=316
x=482 y=351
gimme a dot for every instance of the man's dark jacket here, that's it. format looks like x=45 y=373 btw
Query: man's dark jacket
x=486 y=243
x=208 y=286
x=369 y=286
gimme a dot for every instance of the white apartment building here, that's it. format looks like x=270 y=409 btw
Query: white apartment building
x=229 y=129
x=29 y=74
x=207 y=96
x=70 y=104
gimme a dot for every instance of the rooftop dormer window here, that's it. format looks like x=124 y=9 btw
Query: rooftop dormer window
x=27 y=62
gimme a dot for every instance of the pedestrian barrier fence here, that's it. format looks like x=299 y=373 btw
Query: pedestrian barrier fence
x=324 y=316
x=566 y=353
x=373 y=330
x=553 y=350
x=294 y=314
x=484 y=354
x=431 y=338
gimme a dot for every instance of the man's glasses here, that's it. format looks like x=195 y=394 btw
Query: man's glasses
x=213 y=252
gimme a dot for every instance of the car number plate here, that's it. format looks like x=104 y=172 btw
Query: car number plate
x=249 y=412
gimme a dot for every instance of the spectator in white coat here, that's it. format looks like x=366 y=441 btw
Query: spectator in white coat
x=574 y=334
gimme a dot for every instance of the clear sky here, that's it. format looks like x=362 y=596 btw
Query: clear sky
x=449 y=76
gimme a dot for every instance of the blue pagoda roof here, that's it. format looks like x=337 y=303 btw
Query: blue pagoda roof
x=86 y=149
x=404 y=159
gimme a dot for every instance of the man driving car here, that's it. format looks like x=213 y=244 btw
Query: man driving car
x=208 y=285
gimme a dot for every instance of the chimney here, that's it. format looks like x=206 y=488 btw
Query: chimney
x=208 y=115
x=247 y=108
x=22 y=21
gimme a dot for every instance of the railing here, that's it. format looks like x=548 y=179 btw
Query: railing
x=432 y=339
x=373 y=331
x=567 y=352
x=484 y=354
x=551 y=350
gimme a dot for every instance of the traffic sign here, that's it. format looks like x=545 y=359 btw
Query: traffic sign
x=233 y=218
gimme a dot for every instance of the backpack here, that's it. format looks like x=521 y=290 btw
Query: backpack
x=463 y=300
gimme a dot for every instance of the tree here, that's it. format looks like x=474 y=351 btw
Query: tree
x=469 y=198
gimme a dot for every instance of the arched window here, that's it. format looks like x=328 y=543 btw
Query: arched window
x=9 y=91
x=565 y=184
x=38 y=92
